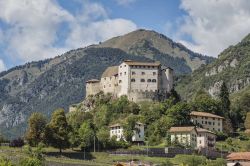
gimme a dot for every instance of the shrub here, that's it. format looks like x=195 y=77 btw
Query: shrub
x=17 y=142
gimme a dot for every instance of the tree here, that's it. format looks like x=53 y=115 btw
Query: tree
x=103 y=136
x=224 y=98
x=180 y=113
x=36 y=126
x=56 y=132
x=75 y=119
x=86 y=134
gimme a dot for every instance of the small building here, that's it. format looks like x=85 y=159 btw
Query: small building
x=117 y=130
x=205 y=139
x=186 y=136
x=238 y=159
x=207 y=120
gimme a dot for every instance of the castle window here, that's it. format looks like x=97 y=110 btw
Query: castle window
x=154 y=73
x=153 y=80
x=149 y=80
x=142 y=73
x=142 y=80
x=133 y=73
x=120 y=81
x=132 y=80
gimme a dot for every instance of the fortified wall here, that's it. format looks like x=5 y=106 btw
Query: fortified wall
x=140 y=81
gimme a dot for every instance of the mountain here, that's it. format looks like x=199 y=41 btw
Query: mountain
x=46 y=85
x=232 y=67
x=158 y=47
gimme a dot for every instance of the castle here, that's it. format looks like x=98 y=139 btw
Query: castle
x=140 y=81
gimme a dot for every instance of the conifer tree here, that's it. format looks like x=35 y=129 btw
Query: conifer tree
x=224 y=98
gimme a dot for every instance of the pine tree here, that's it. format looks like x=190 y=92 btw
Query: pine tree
x=224 y=98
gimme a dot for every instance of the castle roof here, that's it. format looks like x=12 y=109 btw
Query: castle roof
x=92 y=81
x=110 y=71
x=181 y=129
x=205 y=114
x=136 y=63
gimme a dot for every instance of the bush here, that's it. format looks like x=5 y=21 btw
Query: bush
x=17 y=142
x=5 y=162
x=31 y=162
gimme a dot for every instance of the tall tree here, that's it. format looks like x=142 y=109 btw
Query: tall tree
x=224 y=97
x=57 y=130
x=86 y=134
x=36 y=126
x=225 y=107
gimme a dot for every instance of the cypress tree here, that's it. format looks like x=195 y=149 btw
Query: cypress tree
x=224 y=98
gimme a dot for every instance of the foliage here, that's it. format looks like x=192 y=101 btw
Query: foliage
x=86 y=134
x=5 y=162
x=31 y=162
x=56 y=132
x=224 y=98
x=36 y=126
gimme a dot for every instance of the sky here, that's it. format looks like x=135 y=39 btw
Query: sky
x=32 y=30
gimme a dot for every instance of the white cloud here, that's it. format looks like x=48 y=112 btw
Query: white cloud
x=2 y=65
x=34 y=27
x=124 y=2
x=214 y=24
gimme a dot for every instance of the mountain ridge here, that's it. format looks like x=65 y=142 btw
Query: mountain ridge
x=45 y=85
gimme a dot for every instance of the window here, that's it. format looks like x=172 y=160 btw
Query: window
x=125 y=65
x=109 y=85
x=153 y=80
x=142 y=73
x=133 y=73
x=105 y=78
x=149 y=80
x=142 y=80
x=120 y=81
x=132 y=80
x=120 y=74
x=103 y=86
x=120 y=66
x=218 y=123
x=125 y=73
x=154 y=73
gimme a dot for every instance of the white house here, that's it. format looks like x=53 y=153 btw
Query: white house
x=205 y=139
x=117 y=130
x=186 y=136
x=207 y=120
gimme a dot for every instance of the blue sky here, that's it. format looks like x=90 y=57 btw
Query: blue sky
x=32 y=30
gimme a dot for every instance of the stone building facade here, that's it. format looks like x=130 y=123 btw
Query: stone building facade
x=140 y=81
x=207 y=120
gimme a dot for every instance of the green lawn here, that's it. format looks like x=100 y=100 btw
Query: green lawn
x=75 y=157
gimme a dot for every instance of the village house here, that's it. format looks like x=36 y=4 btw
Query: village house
x=117 y=130
x=207 y=121
x=238 y=159
x=139 y=81
x=186 y=136
x=205 y=139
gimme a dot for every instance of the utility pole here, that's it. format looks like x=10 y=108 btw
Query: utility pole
x=94 y=144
